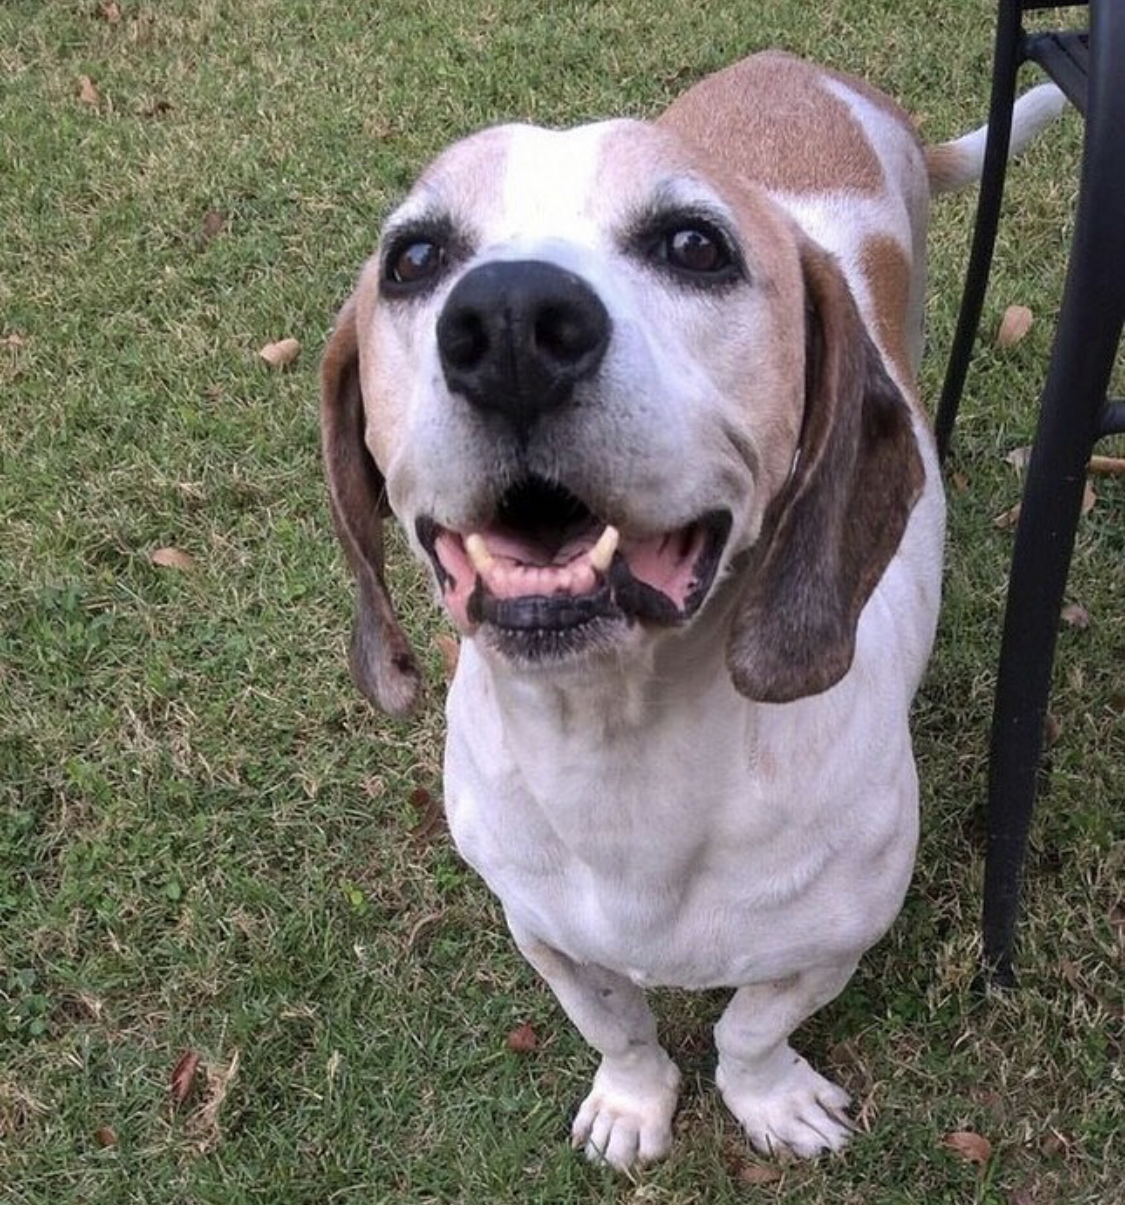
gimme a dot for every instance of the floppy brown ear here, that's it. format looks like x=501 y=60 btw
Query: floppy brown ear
x=831 y=531
x=382 y=663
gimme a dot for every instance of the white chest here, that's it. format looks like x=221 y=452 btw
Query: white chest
x=695 y=849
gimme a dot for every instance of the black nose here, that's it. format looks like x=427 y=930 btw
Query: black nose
x=516 y=336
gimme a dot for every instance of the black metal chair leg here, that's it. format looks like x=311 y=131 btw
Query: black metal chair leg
x=1086 y=342
x=1006 y=60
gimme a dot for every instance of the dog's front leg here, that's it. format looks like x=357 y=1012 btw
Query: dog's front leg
x=781 y=1102
x=627 y=1118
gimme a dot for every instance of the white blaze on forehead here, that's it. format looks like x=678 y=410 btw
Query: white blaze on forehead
x=550 y=187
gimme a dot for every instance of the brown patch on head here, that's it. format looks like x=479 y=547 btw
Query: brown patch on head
x=770 y=118
x=887 y=271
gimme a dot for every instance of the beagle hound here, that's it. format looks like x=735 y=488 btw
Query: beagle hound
x=643 y=397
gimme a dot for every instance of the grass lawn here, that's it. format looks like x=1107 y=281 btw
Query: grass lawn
x=209 y=845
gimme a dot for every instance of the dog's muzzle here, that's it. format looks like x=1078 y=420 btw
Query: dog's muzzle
x=546 y=578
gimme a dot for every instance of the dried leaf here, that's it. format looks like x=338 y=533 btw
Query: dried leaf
x=1014 y=325
x=1008 y=518
x=430 y=816
x=1075 y=615
x=1018 y=457
x=172 y=558
x=759 y=1173
x=960 y=482
x=1107 y=465
x=450 y=649
x=213 y=225
x=88 y=93
x=15 y=339
x=1052 y=730
x=522 y=1040
x=204 y=1122
x=970 y=1146
x=278 y=354
x=105 y=1136
x=183 y=1077
x=110 y=11
x=1053 y=1142
x=1089 y=498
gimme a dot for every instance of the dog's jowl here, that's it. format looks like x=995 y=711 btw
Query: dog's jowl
x=643 y=398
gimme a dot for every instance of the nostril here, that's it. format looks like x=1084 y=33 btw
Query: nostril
x=565 y=333
x=464 y=339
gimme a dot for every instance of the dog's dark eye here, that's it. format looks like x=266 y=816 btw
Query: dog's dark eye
x=691 y=247
x=696 y=251
x=412 y=263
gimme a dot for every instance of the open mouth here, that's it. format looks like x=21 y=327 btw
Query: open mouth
x=548 y=576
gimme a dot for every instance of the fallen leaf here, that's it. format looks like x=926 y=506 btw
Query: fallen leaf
x=204 y=1122
x=183 y=1077
x=13 y=340
x=1052 y=730
x=1075 y=615
x=1008 y=518
x=430 y=816
x=110 y=11
x=1069 y=971
x=759 y=1173
x=1117 y=919
x=1018 y=457
x=522 y=1040
x=1107 y=465
x=213 y=225
x=970 y=1146
x=1014 y=325
x=88 y=93
x=1053 y=1142
x=105 y=1136
x=1089 y=498
x=960 y=482
x=172 y=558
x=278 y=354
x=450 y=649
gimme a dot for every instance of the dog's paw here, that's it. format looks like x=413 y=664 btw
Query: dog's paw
x=799 y=1112
x=627 y=1118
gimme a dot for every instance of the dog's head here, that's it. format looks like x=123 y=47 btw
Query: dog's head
x=595 y=377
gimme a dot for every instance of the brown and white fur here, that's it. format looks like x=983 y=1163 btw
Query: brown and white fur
x=678 y=753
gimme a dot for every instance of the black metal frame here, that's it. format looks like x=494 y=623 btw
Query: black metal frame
x=1074 y=414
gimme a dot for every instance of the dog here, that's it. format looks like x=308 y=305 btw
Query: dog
x=642 y=396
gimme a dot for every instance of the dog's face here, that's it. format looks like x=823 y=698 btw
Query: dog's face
x=595 y=376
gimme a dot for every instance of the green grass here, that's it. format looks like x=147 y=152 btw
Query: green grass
x=208 y=842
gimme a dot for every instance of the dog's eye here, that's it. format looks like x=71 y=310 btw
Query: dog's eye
x=414 y=262
x=692 y=248
x=695 y=250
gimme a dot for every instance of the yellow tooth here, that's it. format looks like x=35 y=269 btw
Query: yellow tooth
x=602 y=552
x=479 y=556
